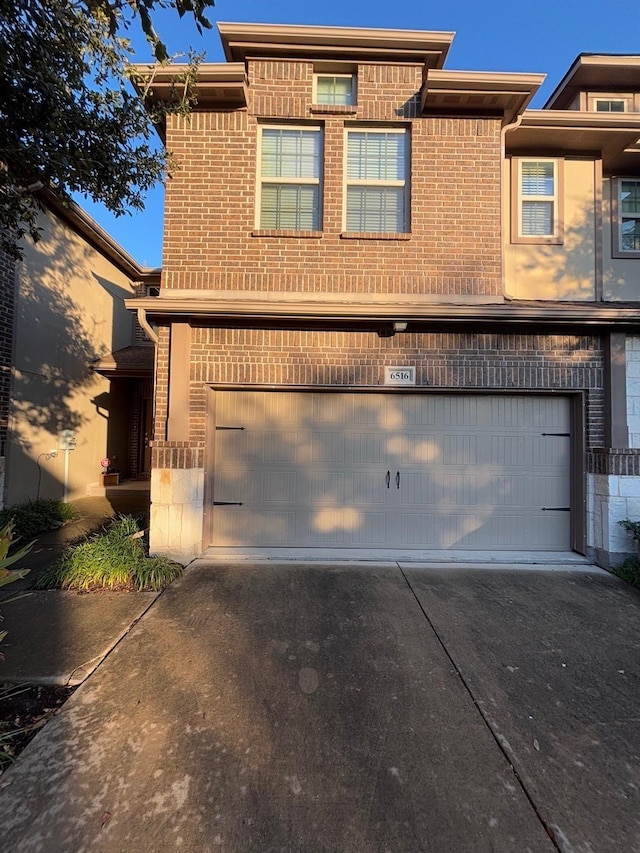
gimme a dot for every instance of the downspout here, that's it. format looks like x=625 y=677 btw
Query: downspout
x=504 y=196
x=144 y=323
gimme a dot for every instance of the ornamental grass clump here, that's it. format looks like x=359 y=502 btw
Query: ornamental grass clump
x=32 y=518
x=112 y=559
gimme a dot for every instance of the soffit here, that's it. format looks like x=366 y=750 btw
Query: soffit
x=612 y=136
x=596 y=71
x=243 y=41
x=260 y=311
x=478 y=92
x=223 y=84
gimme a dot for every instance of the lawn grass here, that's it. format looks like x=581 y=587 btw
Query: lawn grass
x=114 y=558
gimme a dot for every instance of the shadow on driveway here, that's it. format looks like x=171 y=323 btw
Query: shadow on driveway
x=316 y=708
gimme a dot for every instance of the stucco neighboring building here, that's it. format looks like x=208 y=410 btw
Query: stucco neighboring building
x=398 y=307
x=75 y=367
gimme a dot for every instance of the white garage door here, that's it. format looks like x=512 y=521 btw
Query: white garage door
x=391 y=471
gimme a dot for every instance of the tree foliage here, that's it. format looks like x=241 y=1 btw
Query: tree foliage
x=68 y=117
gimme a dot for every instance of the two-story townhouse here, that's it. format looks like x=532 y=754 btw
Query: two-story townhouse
x=383 y=322
x=76 y=372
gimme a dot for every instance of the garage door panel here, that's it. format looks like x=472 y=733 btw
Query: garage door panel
x=463 y=471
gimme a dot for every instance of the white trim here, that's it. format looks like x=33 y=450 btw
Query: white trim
x=553 y=199
x=260 y=179
x=355 y=182
x=336 y=76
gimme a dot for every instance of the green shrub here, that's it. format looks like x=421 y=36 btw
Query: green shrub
x=113 y=559
x=9 y=575
x=35 y=517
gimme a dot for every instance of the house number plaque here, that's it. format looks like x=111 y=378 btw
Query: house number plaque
x=399 y=376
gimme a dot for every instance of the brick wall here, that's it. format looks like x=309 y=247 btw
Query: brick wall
x=211 y=241
x=463 y=361
x=7 y=297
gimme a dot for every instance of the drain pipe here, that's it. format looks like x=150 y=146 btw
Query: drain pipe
x=505 y=197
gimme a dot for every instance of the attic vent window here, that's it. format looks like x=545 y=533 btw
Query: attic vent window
x=335 y=89
x=610 y=105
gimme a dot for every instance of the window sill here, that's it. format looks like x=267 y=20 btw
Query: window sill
x=269 y=232
x=629 y=256
x=336 y=109
x=537 y=241
x=374 y=235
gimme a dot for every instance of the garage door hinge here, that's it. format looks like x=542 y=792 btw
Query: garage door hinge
x=223 y=427
x=227 y=503
x=563 y=434
x=555 y=508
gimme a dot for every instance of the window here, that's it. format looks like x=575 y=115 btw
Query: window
x=335 y=89
x=537 y=217
x=610 y=105
x=377 y=198
x=627 y=217
x=289 y=186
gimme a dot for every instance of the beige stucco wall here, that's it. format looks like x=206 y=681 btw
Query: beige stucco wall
x=565 y=272
x=620 y=276
x=69 y=311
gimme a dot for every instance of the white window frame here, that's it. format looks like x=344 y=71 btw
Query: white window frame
x=617 y=217
x=556 y=199
x=353 y=182
x=354 y=88
x=294 y=181
x=606 y=100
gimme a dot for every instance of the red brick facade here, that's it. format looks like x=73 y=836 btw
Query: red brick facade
x=211 y=240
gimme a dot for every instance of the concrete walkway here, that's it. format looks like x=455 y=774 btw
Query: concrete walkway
x=60 y=637
x=363 y=708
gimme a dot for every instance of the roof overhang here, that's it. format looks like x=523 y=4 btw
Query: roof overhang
x=269 y=312
x=133 y=362
x=613 y=136
x=608 y=72
x=479 y=92
x=220 y=84
x=243 y=41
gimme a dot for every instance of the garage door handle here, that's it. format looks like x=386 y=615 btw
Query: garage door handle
x=397 y=479
x=388 y=478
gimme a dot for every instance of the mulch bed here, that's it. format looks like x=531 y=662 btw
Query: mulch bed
x=24 y=710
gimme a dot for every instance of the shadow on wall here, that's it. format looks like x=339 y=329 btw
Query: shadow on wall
x=389 y=470
x=567 y=272
x=65 y=319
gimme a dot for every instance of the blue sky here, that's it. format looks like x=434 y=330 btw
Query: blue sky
x=491 y=35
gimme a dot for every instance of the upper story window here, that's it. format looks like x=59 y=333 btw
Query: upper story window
x=612 y=102
x=610 y=105
x=377 y=181
x=537 y=217
x=626 y=218
x=335 y=89
x=289 y=183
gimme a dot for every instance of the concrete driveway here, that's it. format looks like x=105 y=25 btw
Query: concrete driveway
x=355 y=708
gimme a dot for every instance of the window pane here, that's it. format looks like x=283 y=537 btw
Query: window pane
x=290 y=207
x=537 y=218
x=630 y=196
x=631 y=235
x=376 y=209
x=290 y=153
x=335 y=90
x=537 y=177
x=376 y=156
x=610 y=106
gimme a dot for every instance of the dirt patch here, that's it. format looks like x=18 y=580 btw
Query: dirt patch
x=24 y=710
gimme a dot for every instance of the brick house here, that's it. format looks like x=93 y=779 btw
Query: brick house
x=72 y=358
x=398 y=309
